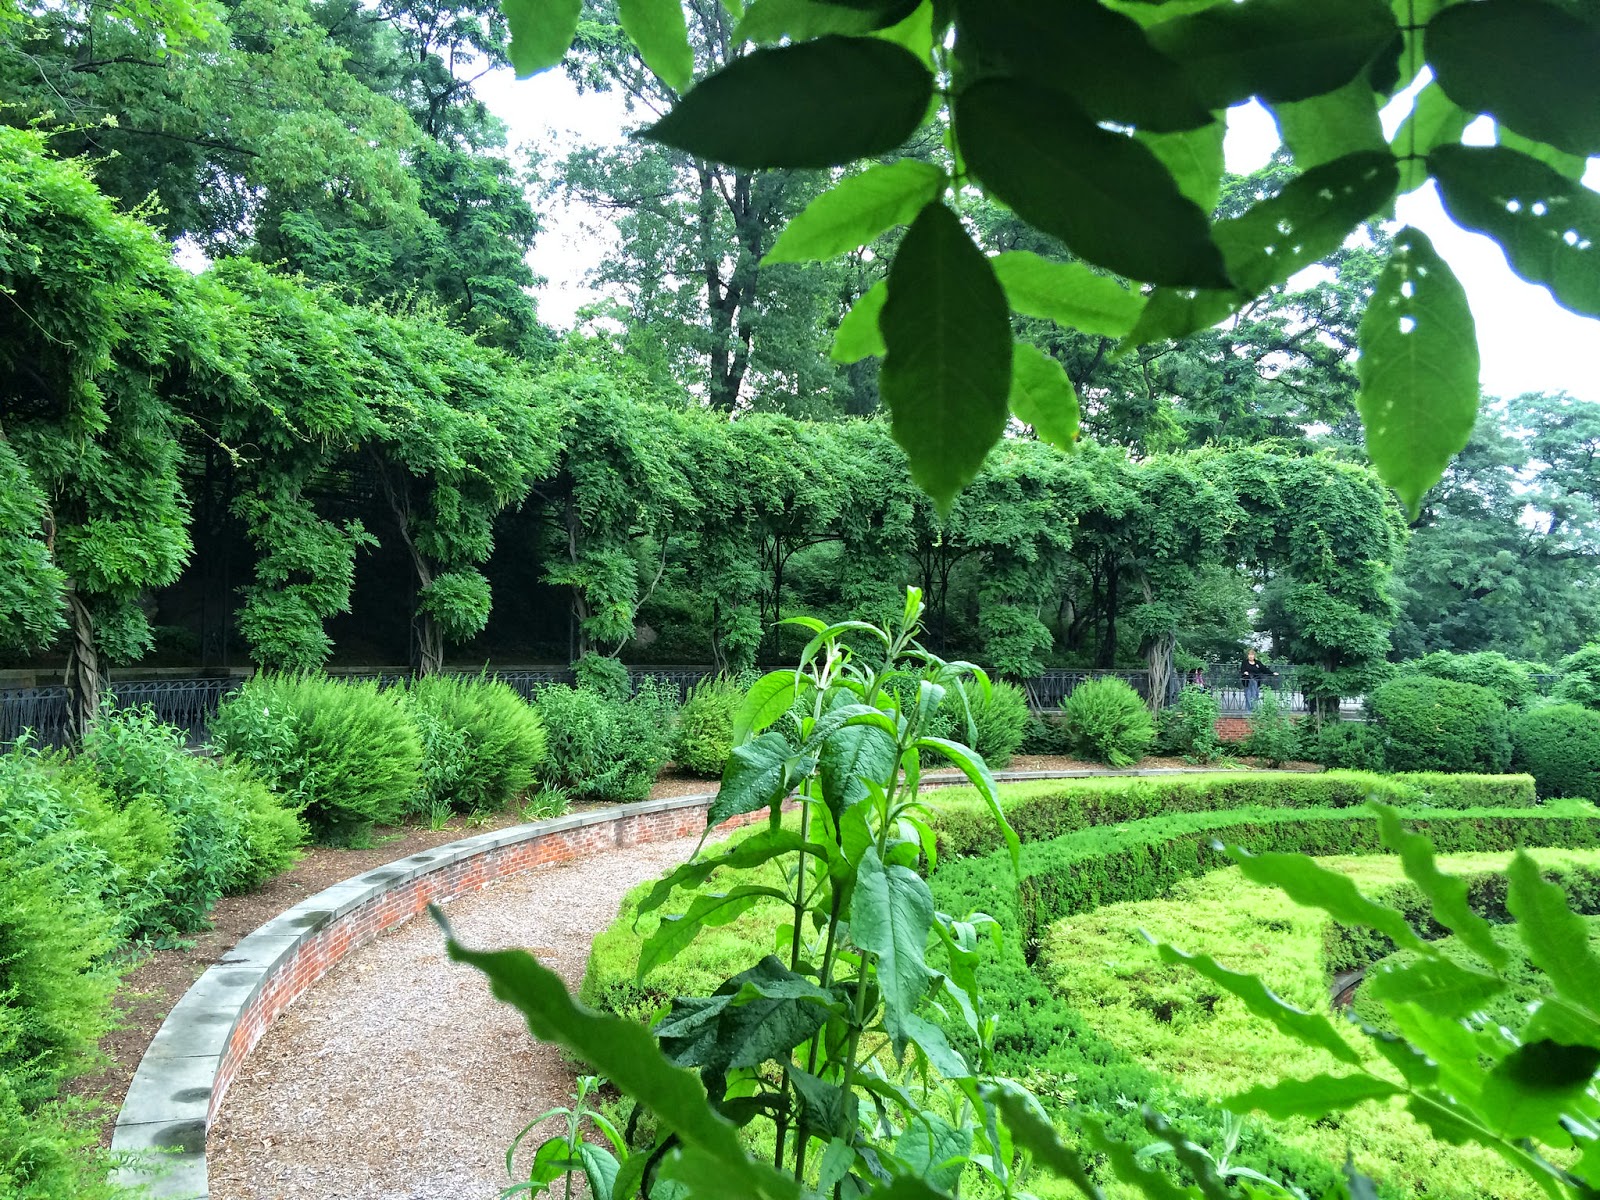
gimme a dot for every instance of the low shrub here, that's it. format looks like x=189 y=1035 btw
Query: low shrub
x=1507 y=678
x=1273 y=735
x=1432 y=724
x=269 y=835
x=1189 y=727
x=705 y=726
x=481 y=742
x=1043 y=734
x=1343 y=745
x=998 y=722
x=1559 y=745
x=1052 y=808
x=600 y=749
x=346 y=754
x=604 y=675
x=1105 y=721
x=1579 y=680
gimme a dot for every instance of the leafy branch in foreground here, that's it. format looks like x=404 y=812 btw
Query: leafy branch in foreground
x=1100 y=126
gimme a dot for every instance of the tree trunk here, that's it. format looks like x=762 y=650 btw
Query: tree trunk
x=1107 y=658
x=430 y=645
x=84 y=678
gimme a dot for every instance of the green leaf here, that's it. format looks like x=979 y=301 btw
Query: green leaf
x=1332 y=125
x=1043 y=396
x=759 y=775
x=932 y=1149
x=980 y=777
x=709 y=910
x=1437 y=984
x=1548 y=226
x=816 y=104
x=1067 y=293
x=1306 y=882
x=1032 y=1130
x=1555 y=100
x=1277 y=50
x=1314 y=1097
x=1149 y=1182
x=1532 y=1088
x=1557 y=940
x=1103 y=194
x=624 y=1052
x=659 y=31
x=800 y=20
x=1434 y=120
x=742 y=855
x=768 y=699
x=1100 y=58
x=858 y=335
x=599 y=1167
x=541 y=31
x=891 y=915
x=947 y=367
x=1446 y=893
x=935 y=1047
x=850 y=755
x=1194 y=160
x=1570 y=166
x=1418 y=368
x=1310 y=1029
x=857 y=209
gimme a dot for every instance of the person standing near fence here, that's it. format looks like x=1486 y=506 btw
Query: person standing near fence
x=1252 y=673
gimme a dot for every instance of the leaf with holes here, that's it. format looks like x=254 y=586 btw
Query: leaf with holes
x=1548 y=226
x=1277 y=50
x=816 y=104
x=1556 y=99
x=1067 y=293
x=857 y=209
x=1043 y=396
x=1103 y=194
x=947 y=366
x=1418 y=368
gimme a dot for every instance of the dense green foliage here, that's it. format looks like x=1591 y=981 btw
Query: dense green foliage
x=1344 y=745
x=1580 y=676
x=1273 y=734
x=481 y=744
x=1430 y=724
x=1104 y=720
x=346 y=755
x=992 y=724
x=1189 y=727
x=602 y=748
x=1510 y=680
x=705 y=726
x=1559 y=745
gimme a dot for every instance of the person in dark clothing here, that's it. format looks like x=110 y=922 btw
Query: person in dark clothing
x=1252 y=673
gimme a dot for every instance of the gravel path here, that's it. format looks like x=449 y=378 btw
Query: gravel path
x=398 y=1077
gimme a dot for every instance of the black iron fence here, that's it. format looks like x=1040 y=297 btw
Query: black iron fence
x=189 y=704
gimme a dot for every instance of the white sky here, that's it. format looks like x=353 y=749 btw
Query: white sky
x=1527 y=341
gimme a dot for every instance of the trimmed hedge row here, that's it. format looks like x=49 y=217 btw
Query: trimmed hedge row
x=1043 y=1040
x=1041 y=811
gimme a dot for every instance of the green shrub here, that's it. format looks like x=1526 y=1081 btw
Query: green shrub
x=1512 y=681
x=705 y=726
x=1044 y=734
x=998 y=723
x=1273 y=735
x=481 y=742
x=1559 y=745
x=603 y=674
x=346 y=754
x=52 y=1152
x=1580 y=677
x=269 y=835
x=600 y=749
x=1055 y=807
x=1189 y=727
x=1105 y=721
x=1432 y=724
x=1343 y=745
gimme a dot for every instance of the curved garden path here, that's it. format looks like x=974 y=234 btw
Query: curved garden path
x=398 y=1077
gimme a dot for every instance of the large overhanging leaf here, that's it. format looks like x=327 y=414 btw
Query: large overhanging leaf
x=1043 y=396
x=947 y=364
x=1548 y=225
x=541 y=31
x=1100 y=58
x=1524 y=62
x=657 y=27
x=817 y=104
x=1277 y=50
x=1104 y=194
x=1418 y=368
x=857 y=209
x=1067 y=293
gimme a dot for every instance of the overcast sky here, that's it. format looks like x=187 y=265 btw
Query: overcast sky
x=1527 y=341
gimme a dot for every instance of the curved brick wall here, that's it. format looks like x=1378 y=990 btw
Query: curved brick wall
x=186 y=1071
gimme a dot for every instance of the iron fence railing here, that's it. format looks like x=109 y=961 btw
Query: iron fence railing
x=189 y=704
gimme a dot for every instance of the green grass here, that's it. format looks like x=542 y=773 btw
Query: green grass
x=1177 y=1024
